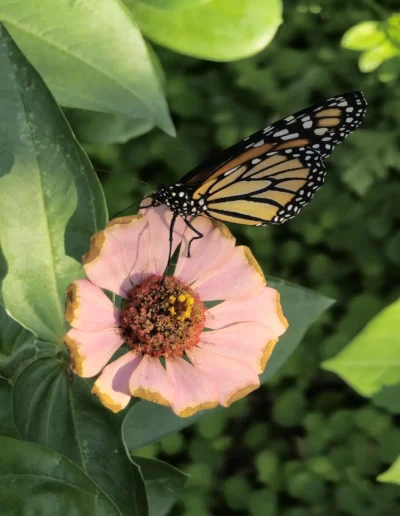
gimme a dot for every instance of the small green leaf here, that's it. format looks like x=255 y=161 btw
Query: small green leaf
x=301 y=308
x=217 y=30
x=103 y=65
x=392 y=475
x=164 y=484
x=371 y=59
x=105 y=128
x=363 y=36
x=52 y=193
x=372 y=360
x=57 y=411
x=36 y=480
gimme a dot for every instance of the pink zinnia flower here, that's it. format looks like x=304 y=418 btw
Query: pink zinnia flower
x=178 y=352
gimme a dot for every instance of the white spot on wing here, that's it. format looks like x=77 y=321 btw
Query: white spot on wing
x=281 y=133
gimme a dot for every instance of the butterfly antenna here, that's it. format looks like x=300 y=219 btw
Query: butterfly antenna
x=121 y=175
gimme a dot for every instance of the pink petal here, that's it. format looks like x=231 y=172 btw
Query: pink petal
x=91 y=350
x=118 y=255
x=87 y=307
x=214 y=248
x=249 y=343
x=235 y=380
x=264 y=308
x=150 y=381
x=192 y=390
x=239 y=276
x=112 y=386
x=160 y=220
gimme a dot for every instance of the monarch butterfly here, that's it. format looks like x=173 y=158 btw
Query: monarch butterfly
x=268 y=177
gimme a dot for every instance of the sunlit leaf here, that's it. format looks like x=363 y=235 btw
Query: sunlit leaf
x=363 y=36
x=392 y=475
x=91 y=55
x=51 y=200
x=372 y=360
x=174 y=4
x=371 y=59
x=217 y=30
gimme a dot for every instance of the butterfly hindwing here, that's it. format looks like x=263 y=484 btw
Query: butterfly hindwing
x=321 y=127
x=269 y=189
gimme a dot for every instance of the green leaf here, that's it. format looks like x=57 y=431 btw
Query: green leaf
x=17 y=346
x=392 y=475
x=105 y=128
x=363 y=36
x=142 y=424
x=7 y=425
x=301 y=307
x=372 y=360
x=57 y=411
x=91 y=55
x=173 y=4
x=217 y=30
x=35 y=480
x=48 y=185
x=388 y=398
x=371 y=59
x=164 y=484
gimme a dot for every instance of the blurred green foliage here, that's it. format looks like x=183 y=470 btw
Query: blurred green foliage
x=305 y=443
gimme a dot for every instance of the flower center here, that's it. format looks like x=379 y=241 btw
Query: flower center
x=162 y=319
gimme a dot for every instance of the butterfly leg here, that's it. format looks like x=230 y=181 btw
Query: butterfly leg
x=198 y=235
x=171 y=238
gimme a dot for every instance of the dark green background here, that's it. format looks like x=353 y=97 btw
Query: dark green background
x=304 y=444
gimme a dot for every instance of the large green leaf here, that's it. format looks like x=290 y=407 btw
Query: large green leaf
x=17 y=346
x=91 y=55
x=35 y=480
x=174 y=4
x=51 y=199
x=142 y=424
x=57 y=411
x=217 y=30
x=301 y=307
x=105 y=128
x=146 y=422
x=372 y=360
x=164 y=484
x=392 y=475
x=7 y=425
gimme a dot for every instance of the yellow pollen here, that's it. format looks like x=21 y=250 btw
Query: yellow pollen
x=190 y=301
x=181 y=298
x=172 y=299
x=172 y=311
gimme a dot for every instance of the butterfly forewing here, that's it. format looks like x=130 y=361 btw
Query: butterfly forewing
x=321 y=127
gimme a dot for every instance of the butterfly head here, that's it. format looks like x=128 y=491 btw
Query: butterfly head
x=176 y=197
